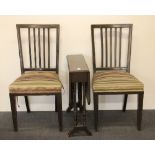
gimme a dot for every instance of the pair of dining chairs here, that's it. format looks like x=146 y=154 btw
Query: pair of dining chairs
x=40 y=66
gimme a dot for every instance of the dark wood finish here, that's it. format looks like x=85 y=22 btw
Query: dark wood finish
x=93 y=49
x=106 y=48
x=14 y=111
x=44 y=46
x=84 y=102
x=56 y=107
x=40 y=69
x=57 y=49
x=29 y=38
x=70 y=97
x=48 y=48
x=102 y=47
x=80 y=96
x=76 y=63
x=59 y=108
x=110 y=68
x=120 y=46
x=38 y=63
x=115 y=45
x=79 y=128
x=78 y=72
x=79 y=79
x=41 y=56
x=27 y=104
x=139 y=110
x=129 y=49
x=116 y=32
x=83 y=126
x=39 y=47
x=110 y=47
x=114 y=29
x=38 y=25
x=20 y=50
x=125 y=102
x=74 y=104
x=35 y=55
x=96 y=111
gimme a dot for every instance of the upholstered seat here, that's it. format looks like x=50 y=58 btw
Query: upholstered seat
x=116 y=81
x=36 y=82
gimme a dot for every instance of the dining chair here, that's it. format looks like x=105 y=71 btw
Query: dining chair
x=111 y=53
x=39 y=60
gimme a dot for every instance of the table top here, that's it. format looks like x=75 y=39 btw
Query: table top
x=76 y=63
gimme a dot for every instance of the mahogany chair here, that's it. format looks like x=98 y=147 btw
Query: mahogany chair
x=111 y=53
x=39 y=59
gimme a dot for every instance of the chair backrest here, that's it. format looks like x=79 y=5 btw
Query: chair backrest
x=38 y=47
x=111 y=46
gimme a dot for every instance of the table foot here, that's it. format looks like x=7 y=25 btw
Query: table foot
x=78 y=129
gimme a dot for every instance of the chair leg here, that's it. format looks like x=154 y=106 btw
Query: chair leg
x=125 y=102
x=27 y=104
x=95 y=111
x=14 y=111
x=56 y=104
x=59 y=108
x=70 y=97
x=139 y=110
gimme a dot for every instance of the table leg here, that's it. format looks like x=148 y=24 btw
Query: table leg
x=71 y=90
x=75 y=104
x=80 y=96
x=82 y=127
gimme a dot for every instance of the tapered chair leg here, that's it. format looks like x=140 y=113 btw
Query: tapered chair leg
x=96 y=111
x=70 y=97
x=139 y=110
x=125 y=102
x=56 y=106
x=59 y=108
x=27 y=104
x=14 y=111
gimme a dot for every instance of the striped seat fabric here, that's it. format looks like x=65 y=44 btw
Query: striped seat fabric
x=36 y=82
x=116 y=81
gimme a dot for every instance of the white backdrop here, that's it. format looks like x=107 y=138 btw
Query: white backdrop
x=75 y=38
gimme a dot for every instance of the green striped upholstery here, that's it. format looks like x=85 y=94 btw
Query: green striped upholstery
x=36 y=82
x=116 y=81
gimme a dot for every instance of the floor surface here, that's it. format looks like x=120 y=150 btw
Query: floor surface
x=113 y=125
